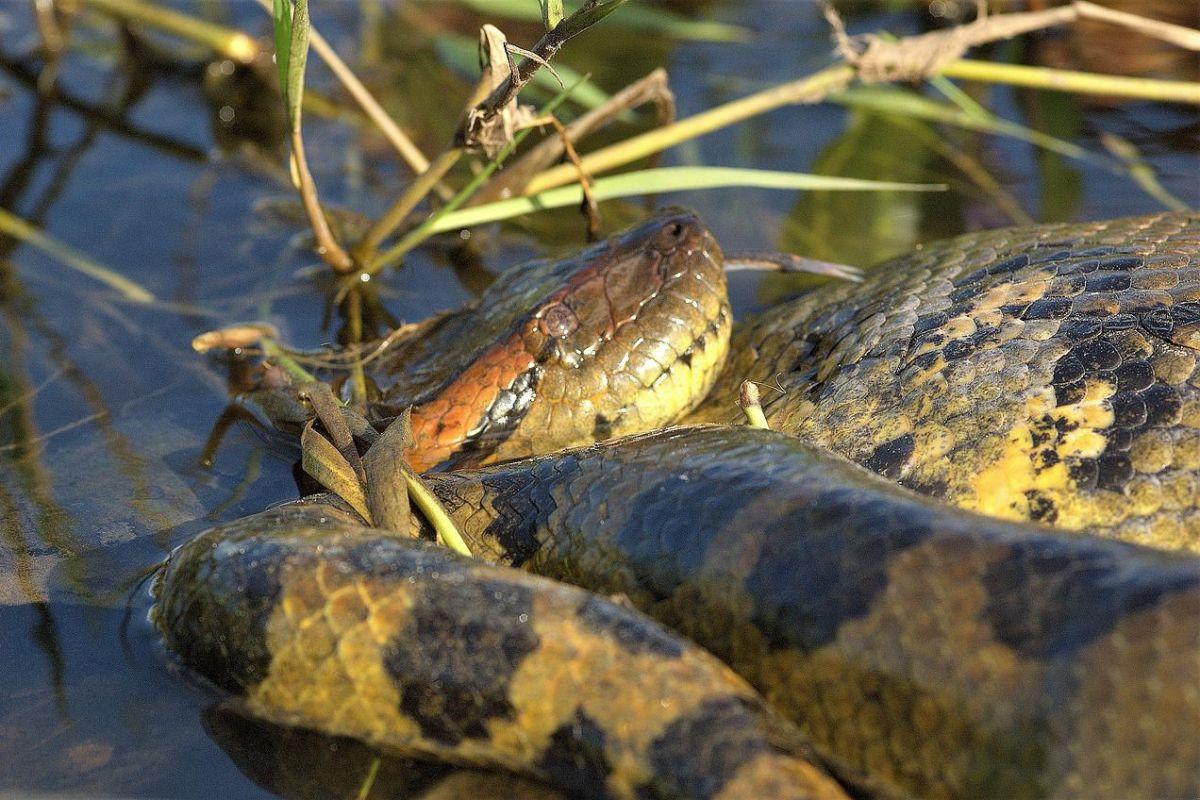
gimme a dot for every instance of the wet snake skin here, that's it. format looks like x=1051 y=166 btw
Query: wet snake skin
x=1041 y=375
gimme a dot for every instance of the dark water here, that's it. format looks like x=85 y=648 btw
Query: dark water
x=136 y=161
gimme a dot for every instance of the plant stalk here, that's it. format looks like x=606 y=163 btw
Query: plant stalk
x=232 y=44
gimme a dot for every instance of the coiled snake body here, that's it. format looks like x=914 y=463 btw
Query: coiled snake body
x=1041 y=375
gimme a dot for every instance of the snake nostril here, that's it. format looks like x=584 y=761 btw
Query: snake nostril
x=669 y=236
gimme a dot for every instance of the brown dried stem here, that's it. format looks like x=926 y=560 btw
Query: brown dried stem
x=326 y=245
x=512 y=181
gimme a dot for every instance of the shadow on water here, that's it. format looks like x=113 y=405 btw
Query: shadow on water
x=160 y=168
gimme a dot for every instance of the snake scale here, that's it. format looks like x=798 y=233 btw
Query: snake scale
x=886 y=642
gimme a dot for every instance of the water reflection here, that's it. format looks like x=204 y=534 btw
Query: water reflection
x=301 y=765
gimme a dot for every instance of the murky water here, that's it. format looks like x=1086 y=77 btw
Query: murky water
x=153 y=167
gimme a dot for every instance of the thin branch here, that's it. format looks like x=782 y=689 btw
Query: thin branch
x=585 y=183
x=512 y=180
x=1178 y=35
x=771 y=261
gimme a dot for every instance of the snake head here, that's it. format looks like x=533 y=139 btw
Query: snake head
x=624 y=337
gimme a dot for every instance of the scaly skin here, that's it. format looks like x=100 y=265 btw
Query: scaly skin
x=317 y=622
x=937 y=652
x=1037 y=374
x=625 y=337
x=1046 y=373
x=298 y=764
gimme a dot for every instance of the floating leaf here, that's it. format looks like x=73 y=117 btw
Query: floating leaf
x=233 y=337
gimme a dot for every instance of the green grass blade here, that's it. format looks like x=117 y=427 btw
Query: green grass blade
x=951 y=91
x=281 y=16
x=427 y=228
x=910 y=104
x=664 y=179
x=588 y=16
x=297 y=58
x=429 y=504
x=1141 y=172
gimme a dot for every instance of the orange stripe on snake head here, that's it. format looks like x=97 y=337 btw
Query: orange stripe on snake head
x=441 y=426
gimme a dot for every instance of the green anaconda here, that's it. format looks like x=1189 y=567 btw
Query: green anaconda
x=921 y=650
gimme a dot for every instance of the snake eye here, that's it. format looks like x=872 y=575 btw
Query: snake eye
x=558 y=321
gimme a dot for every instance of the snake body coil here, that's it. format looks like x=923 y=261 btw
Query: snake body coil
x=1041 y=374
x=942 y=653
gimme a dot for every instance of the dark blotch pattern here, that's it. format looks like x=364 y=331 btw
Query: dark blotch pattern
x=1048 y=600
x=675 y=513
x=831 y=568
x=889 y=458
x=575 y=758
x=635 y=633
x=522 y=502
x=454 y=669
x=227 y=642
x=728 y=734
